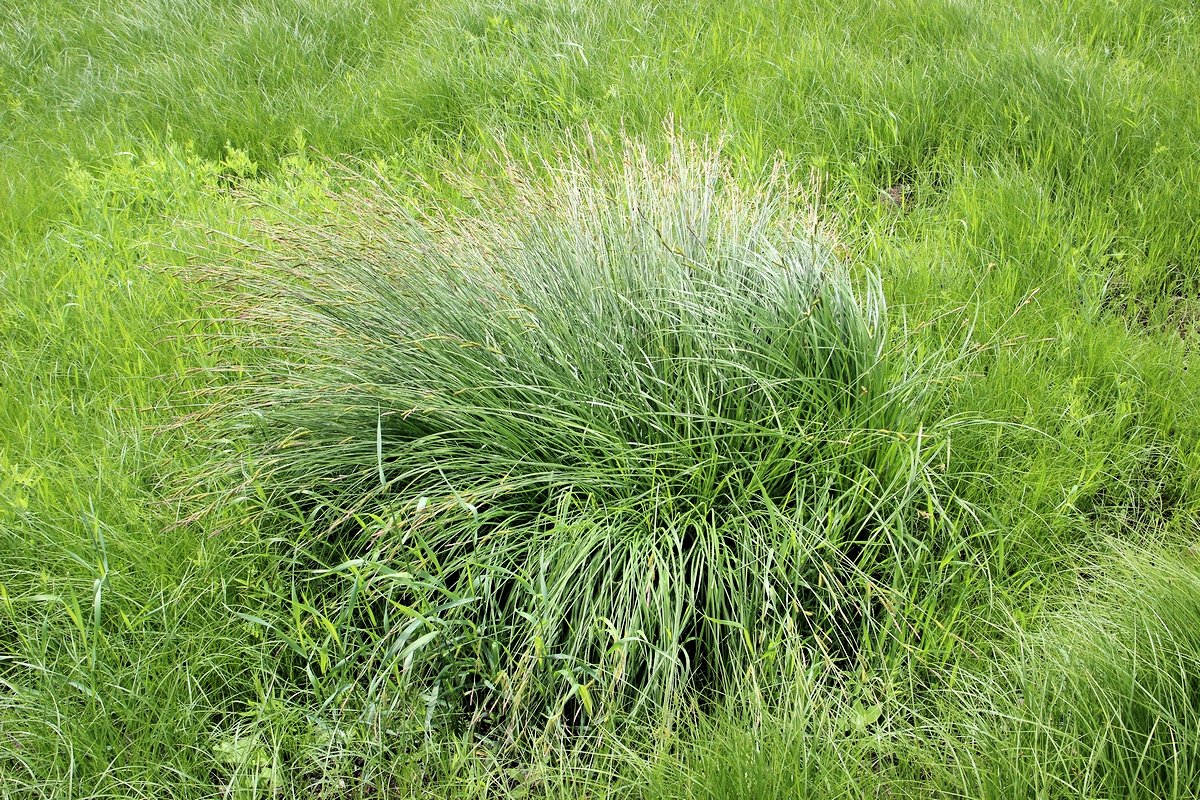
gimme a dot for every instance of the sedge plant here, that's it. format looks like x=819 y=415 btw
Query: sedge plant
x=613 y=440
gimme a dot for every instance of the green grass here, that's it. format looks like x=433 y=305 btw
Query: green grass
x=1045 y=154
x=622 y=441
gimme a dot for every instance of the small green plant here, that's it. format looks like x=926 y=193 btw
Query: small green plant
x=625 y=440
x=252 y=770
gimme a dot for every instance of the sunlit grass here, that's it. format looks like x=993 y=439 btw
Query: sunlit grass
x=1044 y=248
x=630 y=439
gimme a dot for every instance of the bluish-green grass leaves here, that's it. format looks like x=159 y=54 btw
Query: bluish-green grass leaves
x=620 y=437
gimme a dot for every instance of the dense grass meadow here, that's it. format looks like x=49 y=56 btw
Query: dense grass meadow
x=580 y=399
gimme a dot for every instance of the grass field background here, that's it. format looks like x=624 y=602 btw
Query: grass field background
x=1045 y=160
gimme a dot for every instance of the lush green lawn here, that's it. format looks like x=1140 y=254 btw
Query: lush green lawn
x=1047 y=161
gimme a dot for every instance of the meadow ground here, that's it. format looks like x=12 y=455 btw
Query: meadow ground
x=1023 y=178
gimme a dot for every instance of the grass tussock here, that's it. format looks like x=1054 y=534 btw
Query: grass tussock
x=620 y=441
